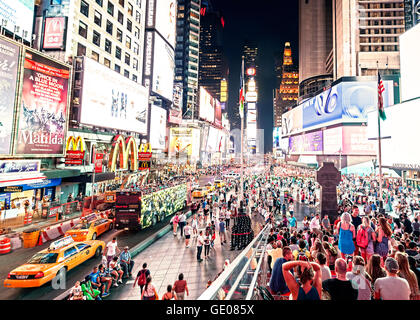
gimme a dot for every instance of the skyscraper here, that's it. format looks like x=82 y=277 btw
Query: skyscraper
x=315 y=46
x=213 y=67
x=287 y=95
x=366 y=37
x=187 y=54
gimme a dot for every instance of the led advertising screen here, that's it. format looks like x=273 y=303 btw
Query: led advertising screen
x=349 y=140
x=333 y=141
x=251 y=131
x=284 y=145
x=276 y=137
x=163 y=69
x=158 y=127
x=206 y=105
x=9 y=60
x=410 y=66
x=212 y=140
x=119 y=104
x=308 y=143
x=18 y=13
x=292 y=121
x=217 y=113
x=184 y=142
x=54 y=32
x=166 y=20
x=42 y=121
x=345 y=102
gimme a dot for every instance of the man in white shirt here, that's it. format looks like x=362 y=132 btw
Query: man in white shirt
x=392 y=287
x=315 y=226
x=111 y=250
x=200 y=242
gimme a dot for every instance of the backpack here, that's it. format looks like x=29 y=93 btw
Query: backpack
x=362 y=238
x=142 y=278
x=302 y=256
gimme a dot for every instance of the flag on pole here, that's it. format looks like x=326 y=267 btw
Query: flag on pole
x=381 y=89
x=242 y=92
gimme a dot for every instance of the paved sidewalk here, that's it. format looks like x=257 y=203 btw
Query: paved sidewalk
x=168 y=257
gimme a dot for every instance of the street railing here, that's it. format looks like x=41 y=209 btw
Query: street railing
x=239 y=280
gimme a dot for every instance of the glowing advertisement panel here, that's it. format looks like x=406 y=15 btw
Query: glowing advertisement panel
x=157 y=127
x=345 y=102
x=9 y=60
x=42 y=121
x=410 y=66
x=308 y=143
x=206 y=105
x=276 y=137
x=111 y=100
x=333 y=141
x=18 y=13
x=166 y=20
x=184 y=142
x=355 y=141
x=217 y=113
x=292 y=121
x=54 y=30
x=212 y=140
x=163 y=69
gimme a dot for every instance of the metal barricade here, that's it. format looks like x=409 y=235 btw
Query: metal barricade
x=239 y=280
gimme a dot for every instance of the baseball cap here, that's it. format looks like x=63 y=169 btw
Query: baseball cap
x=391 y=265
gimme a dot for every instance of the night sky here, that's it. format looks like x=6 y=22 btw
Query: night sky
x=270 y=23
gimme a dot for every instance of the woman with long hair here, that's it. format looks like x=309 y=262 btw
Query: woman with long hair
x=317 y=247
x=384 y=233
x=374 y=269
x=310 y=284
x=407 y=274
x=332 y=254
x=370 y=249
x=346 y=234
x=149 y=292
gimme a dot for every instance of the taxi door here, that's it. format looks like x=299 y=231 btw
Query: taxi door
x=100 y=226
x=71 y=257
x=85 y=251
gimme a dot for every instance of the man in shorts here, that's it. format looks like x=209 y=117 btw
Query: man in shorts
x=187 y=232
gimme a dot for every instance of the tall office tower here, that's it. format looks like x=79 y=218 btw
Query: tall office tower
x=112 y=33
x=287 y=95
x=315 y=46
x=213 y=67
x=278 y=63
x=250 y=52
x=187 y=55
x=366 y=36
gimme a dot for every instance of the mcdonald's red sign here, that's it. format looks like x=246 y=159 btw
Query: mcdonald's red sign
x=54 y=30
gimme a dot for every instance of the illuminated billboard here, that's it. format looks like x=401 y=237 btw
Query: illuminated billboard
x=119 y=104
x=184 y=142
x=163 y=69
x=166 y=20
x=54 y=33
x=217 y=113
x=18 y=15
x=292 y=121
x=348 y=140
x=157 y=127
x=345 y=102
x=223 y=90
x=409 y=60
x=206 y=105
x=42 y=124
x=276 y=137
x=308 y=143
x=9 y=58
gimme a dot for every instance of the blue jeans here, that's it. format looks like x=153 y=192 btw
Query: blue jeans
x=199 y=250
x=127 y=268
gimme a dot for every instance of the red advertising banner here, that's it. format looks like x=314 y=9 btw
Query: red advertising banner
x=75 y=157
x=43 y=112
x=54 y=30
x=99 y=157
x=145 y=156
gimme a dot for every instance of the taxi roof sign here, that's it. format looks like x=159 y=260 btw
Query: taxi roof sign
x=61 y=243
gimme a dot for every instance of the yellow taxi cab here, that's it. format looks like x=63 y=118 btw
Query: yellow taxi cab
x=219 y=183
x=90 y=228
x=61 y=256
x=210 y=187
x=200 y=192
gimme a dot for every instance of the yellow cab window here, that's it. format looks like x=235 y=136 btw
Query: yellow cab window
x=70 y=252
x=82 y=246
x=43 y=257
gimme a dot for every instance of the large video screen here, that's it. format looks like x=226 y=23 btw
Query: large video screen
x=217 y=113
x=212 y=140
x=206 y=105
x=166 y=20
x=9 y=52
x=308 y=143
x=18 y=13
x=163 y=68
x=158 y=127
x=410 y=66
x=43 y=112
x=162 y=203
x=348 y=140
x=292 y=121
x=111 y=100
x=184 y=142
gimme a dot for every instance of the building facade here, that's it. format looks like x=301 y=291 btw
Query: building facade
x=315 y=43
x=187 y=54
x=365 y=37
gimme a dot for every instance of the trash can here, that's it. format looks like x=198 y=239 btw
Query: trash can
x=30 y=238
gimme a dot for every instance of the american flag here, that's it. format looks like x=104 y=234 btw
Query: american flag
x=381 y=89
